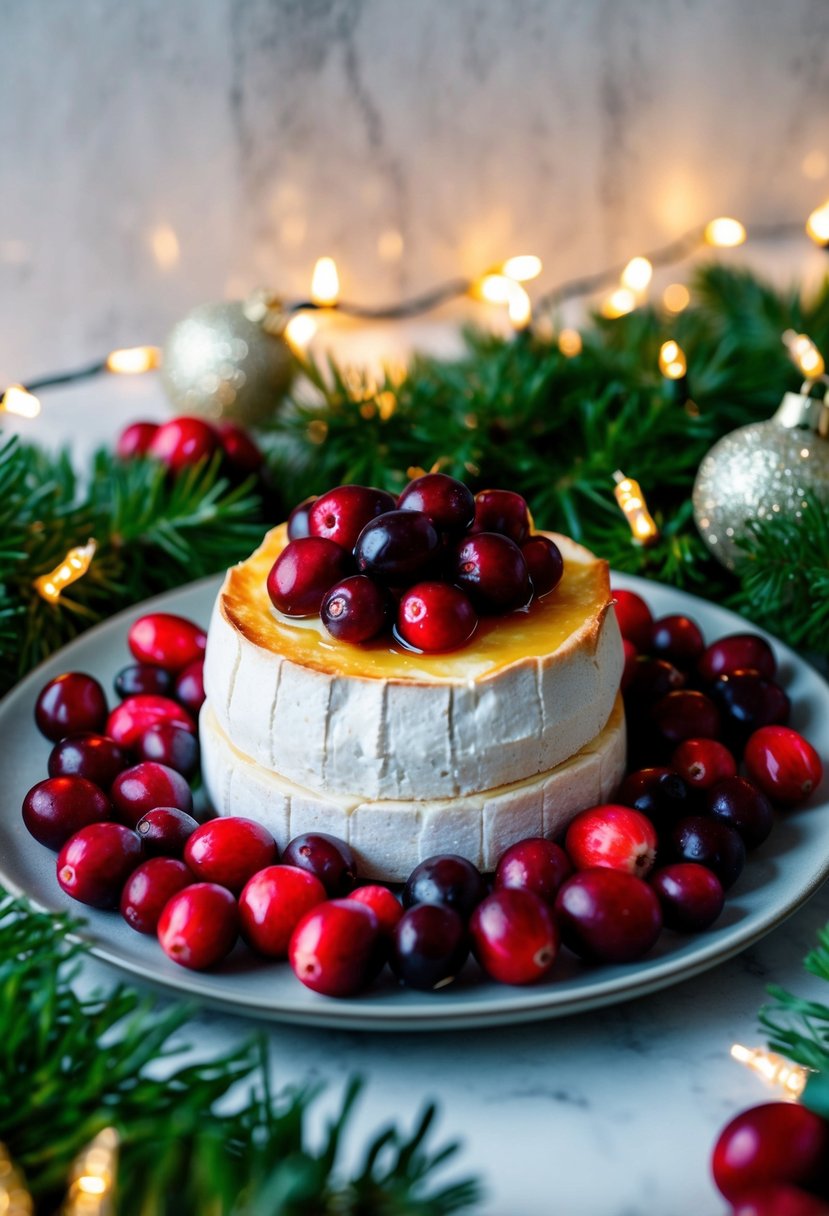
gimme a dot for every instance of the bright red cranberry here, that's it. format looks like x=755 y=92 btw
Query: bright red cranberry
x=166 y=640
x=502 y=511
x=783 y=764
x=135 y=440
x=57 y=808
x=304 y=572
x=712 y=843
x=69 y=704
x=446 y=879
x=653 y=679
x=737 y=652
x=448 y=502
x=94 y=864
x=433 y=617
x=491 y=570
x=342 y=513
x=544 y=562
x=691 y=896
x=299 y=523
x=199 y=926
x=142 y=678
x=703 y=762
x=429 y=948
x=686 y=714
x=182 y=442
x=165 y=830
x=634 y=617
x=241 y=451
x=779 y=1199
x=743 y=806
x=272 y=903
x=608 y=916
x=778 y=1142
x=132 y=717
x=189 y=688
x=337 y=948
x=536 y=865
x=748 y=702
x=88 y=755
x=356 y=609
x=659 y=793
x=147 y=785
x=383 y=903
x=230 y=850
x=629 y=670
x=615 y=836
x=678 y=639
x=167 y=743
x=326 y=857
x=514 y=936
x=397 y=547
x=148 y=889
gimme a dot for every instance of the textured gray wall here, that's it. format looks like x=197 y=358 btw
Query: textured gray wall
x=264 y=132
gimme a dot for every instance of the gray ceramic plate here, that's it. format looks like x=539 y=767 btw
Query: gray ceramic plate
x=780 y=876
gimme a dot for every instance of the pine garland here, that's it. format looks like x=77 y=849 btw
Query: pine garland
x=800 y=1029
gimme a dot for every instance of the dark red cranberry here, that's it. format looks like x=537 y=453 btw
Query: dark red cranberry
x=199 y=925
x=299 y=523
x=504 y=512
x=337 y=948
x=749 y=701
x=148 y=889
x=619 y=837
x=147 y=785
x=783 y=764
x=128 y=721
x=189 y=689
x=659 y=793
x=241 y=452
x=544 y=562
x=634 y=617
x=383 y=903
x=737 y=652
x=342 y=513
x=397 y=547
x=653 y=679
x=608 y=916
x=678 y=639
x=94 y=864
x=435 y=616
x=356 y=609
x=629 y=669
x=778 y=1142
x=182 y=442
x=57 y=808
x=448 y=502
x=536 y=865
x=514 y=936
x=165 y=830
x=711 y=843
x=229 y=851
x=691 y=896
x=430 y=946
x=326 y=857
x=166 y=640
x=779 y=1199
x=742 y=806
x=88 y=755
x=143 y=678
x=491 y=570
x=703 y=762
x=445 y=879
x=135 y=440
x=304 y=572
x=273 y=902
x=169 y=744
x=686 y=714
x=69 y=704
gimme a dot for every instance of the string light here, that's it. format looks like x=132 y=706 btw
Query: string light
x=93 y=1177
x=522 y=267
x=629 y=496
x=15 y=1199
x=724 y=232
x=774 y=1070
x=325 y=283
x=19 y=401
x=619 y=303
x=74 y=566
x=672 y=362
x=299 y=331
x=570 y=343
x=817 y=225
x=501 y=289
x=637 y=274
x=676 y=297
x=804 y=353
x=133 y=360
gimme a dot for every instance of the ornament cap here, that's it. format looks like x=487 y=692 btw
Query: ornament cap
x=803 y=410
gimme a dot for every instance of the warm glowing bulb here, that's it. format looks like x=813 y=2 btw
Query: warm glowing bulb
x=495 y=288
x=94 y=1177
x=724 y=232
x=629 y=496
x=804 y=354
x=165 y=246
x=133 y=360
x=325 y=283
x=619 y=303
x=570 y=343
x=676 y=297
x=817 y=225
x=18 y=400
x=74 y=566
x=299 y=331
x=774 y=1069
x=522 y=268
x=637 y=274
x=519 y=307
x=672 y=361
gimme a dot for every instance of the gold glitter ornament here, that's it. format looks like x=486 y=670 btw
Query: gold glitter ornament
x=766 y=470
x=227 y=361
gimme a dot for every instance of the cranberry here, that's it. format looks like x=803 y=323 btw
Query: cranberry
x=544 y=562
x=659 y=793
x=615 y=836
x=128 y=721
x=748 y=702
x=502 y=511
x=686 y=714
x=57 y=808
x=430 y=946
x=147 y=785
x=199 y=926
x=342 y=513
x=634 y=617
x=189 y=689
x=94 y=864
x=608 y=916
x=148 y=889
x=514 y=936
x=491 y=569
x=536 y=865
x=135 y=440
x=230 y=851
x=167 y=743
x=166 y=640
x=737 y=652
x=435 y=616
x=703 y=762
x=141 y=678
x=337 y=948
x=447 y=502
x=71 y=703
x=712 y=843
x=677 y=639
x=356 y=609
x=326 y=857
x=691 y=896
x=779 y=1199
x=182 y=442
x=302 y=574
x=299 y=523
x=742 y=806
x=88 y=755
x=653 y=679
x=165 y=830
x=778 y=1142
x=273 y=902
x=629 y=670
x=783 y=764
x=385 y=906
x=445 y=879
x=241 y=452
x=398 y=547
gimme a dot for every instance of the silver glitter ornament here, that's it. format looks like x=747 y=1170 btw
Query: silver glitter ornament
x=766 y=470
x=218 y=362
